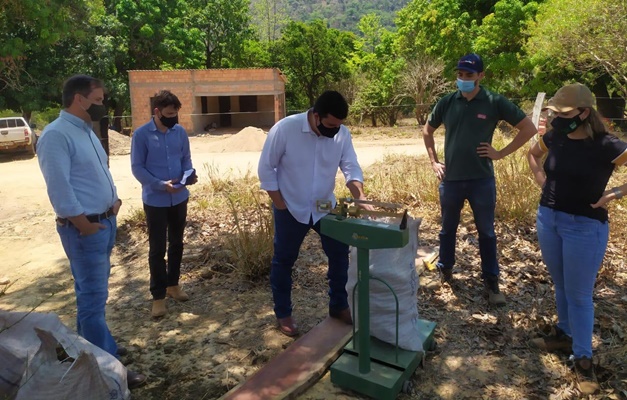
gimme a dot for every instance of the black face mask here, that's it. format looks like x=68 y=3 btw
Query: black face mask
x=96 y=112
x=169 y=122
x=327 y=132
x=566 y=125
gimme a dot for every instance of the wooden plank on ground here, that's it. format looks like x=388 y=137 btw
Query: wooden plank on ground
x=298 y=367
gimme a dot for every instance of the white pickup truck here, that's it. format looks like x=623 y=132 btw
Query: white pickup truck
x=15 y=134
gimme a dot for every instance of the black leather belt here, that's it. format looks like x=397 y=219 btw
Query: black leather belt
x=91 y=218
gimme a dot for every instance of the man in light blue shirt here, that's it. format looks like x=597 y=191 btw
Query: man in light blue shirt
x=84 y=197
x=298 y=165
x=160 y=155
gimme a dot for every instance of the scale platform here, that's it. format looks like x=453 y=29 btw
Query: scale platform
x=388 y=373
x=369 y=365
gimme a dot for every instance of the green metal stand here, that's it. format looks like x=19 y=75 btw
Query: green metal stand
x=368 y=365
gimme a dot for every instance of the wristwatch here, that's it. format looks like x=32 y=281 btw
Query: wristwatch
x=617 y=192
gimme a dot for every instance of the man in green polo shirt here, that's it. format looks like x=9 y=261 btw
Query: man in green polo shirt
x=470 y=116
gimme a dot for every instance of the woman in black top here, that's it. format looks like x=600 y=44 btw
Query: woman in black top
x=572 y=220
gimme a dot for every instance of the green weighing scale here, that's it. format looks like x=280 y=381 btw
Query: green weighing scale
x=368 y=365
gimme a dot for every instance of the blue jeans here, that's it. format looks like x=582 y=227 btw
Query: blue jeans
x=90 y=265
x=288 y=237
x=481 y=195
x=573 y=247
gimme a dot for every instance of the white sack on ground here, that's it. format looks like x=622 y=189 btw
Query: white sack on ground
x=397 y=267
x=31 y=341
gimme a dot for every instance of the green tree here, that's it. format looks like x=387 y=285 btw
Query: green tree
x=588 y=41
x=269 y=17
x=438 y=28
x=380 y=95
x=313 y=57
x=33 y=50
x=127 y=35
x=224 y=28
x=500 y=39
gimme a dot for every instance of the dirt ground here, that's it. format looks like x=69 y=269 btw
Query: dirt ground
x=196 y=352
x=226 y=332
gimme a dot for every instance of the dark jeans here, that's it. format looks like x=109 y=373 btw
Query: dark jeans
x=288 y=237
x=165 y=223
x=481 y=195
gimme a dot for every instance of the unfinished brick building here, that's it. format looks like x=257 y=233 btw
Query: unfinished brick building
x=213 y=98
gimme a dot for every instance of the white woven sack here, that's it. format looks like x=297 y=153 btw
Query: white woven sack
x=397 y=267
x=32 y=340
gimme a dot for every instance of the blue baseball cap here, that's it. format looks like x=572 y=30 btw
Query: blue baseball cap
x=471 y=63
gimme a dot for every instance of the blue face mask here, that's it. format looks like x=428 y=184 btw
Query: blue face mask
x=465 y=86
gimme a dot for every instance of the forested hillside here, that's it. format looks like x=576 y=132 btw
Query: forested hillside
x=345 y=14
x=389 y=57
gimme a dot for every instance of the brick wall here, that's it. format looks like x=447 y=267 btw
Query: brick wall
x=190 y=85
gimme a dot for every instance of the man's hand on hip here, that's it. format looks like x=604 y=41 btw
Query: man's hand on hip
x=486 y=150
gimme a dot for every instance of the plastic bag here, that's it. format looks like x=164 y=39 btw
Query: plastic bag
x=397 y=267
x=30 y=368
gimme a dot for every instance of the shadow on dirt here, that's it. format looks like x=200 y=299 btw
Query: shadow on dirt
x=226 y=332
x=16 y=156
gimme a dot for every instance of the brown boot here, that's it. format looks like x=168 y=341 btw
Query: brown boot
x=491 y=287
x=176 y=293
x=158 y=308
x=586 y=378
x=556 y=340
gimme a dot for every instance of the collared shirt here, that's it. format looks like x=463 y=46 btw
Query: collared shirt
x=158 y=157
x=468 y=123
x=303 y=165
x=74 y=165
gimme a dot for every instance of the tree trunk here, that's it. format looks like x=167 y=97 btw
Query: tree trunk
x=27 y=114
x=118 y=112
x=208 y=59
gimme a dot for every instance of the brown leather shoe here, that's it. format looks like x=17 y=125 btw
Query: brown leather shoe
x=343 y=315
x=176 y=293
x=287 y=326
x=135 y=379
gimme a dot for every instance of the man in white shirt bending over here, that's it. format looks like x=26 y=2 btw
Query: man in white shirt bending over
x=297 y=167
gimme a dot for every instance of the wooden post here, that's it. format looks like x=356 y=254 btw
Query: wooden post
x=537 y=109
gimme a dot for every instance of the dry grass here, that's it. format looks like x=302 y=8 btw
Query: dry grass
x=247 y=242
x=482 y=353
x=410 y=181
